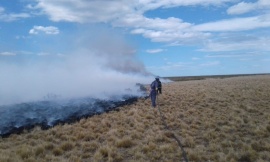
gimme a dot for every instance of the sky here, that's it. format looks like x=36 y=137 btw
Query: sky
x=164 y=37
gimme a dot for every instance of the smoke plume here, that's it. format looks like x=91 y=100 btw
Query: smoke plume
x=97 y=65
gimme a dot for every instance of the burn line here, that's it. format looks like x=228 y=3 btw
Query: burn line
x=173 y=134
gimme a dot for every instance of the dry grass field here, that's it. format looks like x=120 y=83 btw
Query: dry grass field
x=215 y=119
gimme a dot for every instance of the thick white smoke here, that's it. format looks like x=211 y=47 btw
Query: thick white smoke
x=97 y=68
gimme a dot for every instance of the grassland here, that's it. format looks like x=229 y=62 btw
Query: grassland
x=202 y=77
x=215 y=119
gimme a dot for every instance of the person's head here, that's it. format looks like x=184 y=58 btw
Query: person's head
x=157 y=78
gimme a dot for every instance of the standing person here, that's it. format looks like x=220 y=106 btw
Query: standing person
x=159 y=85
x=153 y=92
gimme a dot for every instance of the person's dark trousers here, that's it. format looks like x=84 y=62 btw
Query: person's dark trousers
x=153 y=96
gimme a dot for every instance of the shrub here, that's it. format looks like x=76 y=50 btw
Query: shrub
x=39 y=150
x=67 y=146
x=24 y=152
x=125 y=143
x=57 y=151
x=268 y=128
x=49 y=146
x=90 y=147
x=104 y=151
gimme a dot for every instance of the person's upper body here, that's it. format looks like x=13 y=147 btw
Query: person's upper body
x=159 y=83
x=154 y=85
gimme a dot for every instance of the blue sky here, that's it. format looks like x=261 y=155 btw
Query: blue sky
x=169 y=37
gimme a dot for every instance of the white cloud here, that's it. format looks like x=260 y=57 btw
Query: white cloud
x=139 y=21
x=266 y=60
x=241 y=8
x=172 y=36
x=236 y=24
x=84 y=11
x=171 y=66
x=154 y=4
x=46 y=30
x=195 y=58
x=237 y=42
x=154 y=50
x=2 y=9
x=213 y=63
x=245 y=59
x=232 y=55
x=43 y=54
x=173 y=31
x=129 y=14
x=105 y=11
x=8 y=54
x=11 y=16
x=244 y=7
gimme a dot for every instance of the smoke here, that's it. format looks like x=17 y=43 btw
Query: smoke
x=97 y=65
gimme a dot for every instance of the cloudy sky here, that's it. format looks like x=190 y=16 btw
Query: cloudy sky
x=167 y=37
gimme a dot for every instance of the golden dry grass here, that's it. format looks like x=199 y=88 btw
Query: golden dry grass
x=215 y=119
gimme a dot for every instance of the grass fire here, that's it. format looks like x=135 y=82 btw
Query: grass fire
x=215 y=119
